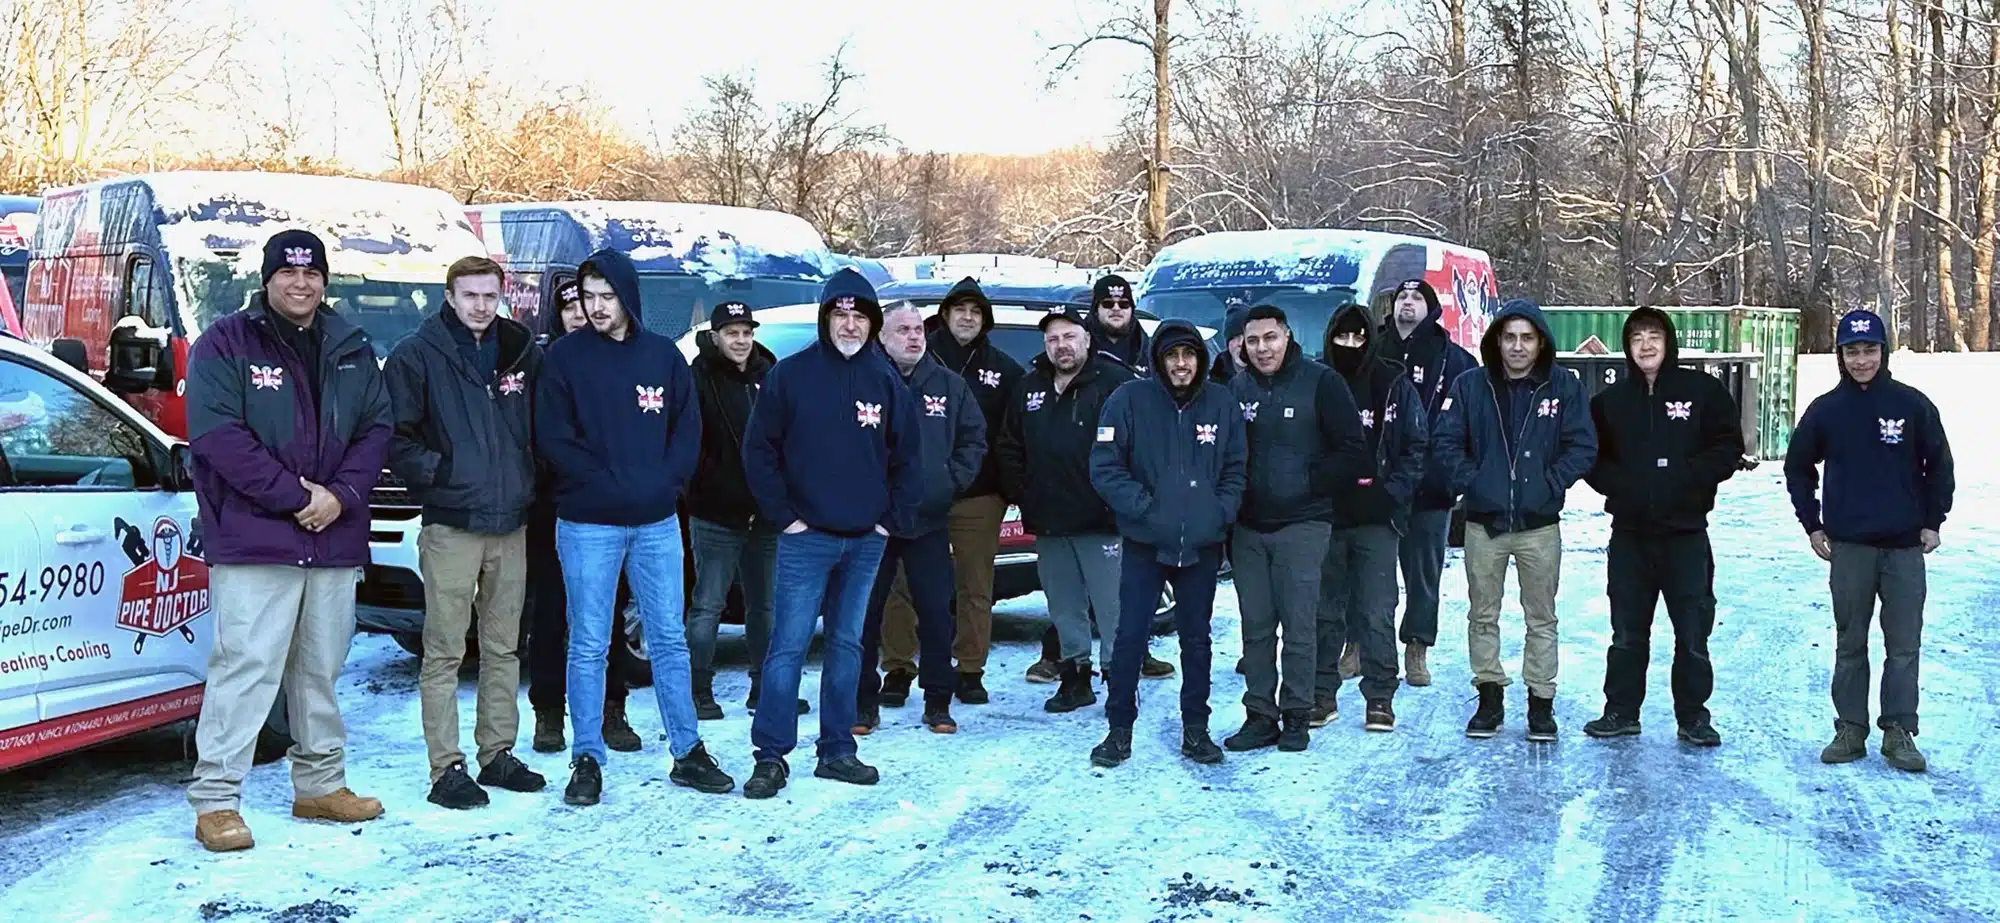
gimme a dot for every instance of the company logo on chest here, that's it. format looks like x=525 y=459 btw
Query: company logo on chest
x=652 y=400
x=513 y=382
x=1680 y=410
x=934 y=405
x=263 y=377
x=1204 y=433
x=1035 y=399
x=989 y=378
x=1550 y=407
x=1892 y=431
x=868 y=415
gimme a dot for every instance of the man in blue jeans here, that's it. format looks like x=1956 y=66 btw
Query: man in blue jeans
x=616 y=420
x=832 y=452
x=1170 y=460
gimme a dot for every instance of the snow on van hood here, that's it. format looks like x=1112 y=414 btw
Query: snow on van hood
x=389 y=231
x=711 y=241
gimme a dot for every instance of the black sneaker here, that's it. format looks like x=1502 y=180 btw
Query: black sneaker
x=1380 y=717
x=1491 y=714
x=1700 y=733
x=697 y=770
x=586 y=782
x=618 y=734
x=1116 y=748
x=1259 y=731
x=1044 y=671
x=896 y=688
x=1613 y=724
x=1196 y=745
x=1324 y=711
x=866 y=719
x=848 y=769
x=1155 y=668
x=971 y=690
x=508 y=773
x=937 y=717
x=766 y=779
x=1541 y=719
x=1295 y=738
x=705 y=706
x=456 y=790
x=1075 y=692
x=549 y=731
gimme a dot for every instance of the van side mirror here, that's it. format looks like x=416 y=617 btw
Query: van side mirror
x=71 y=352
x=179 y=475
x=136 y=356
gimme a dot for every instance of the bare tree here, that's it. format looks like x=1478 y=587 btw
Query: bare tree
x=406 y=50
x=725 y=144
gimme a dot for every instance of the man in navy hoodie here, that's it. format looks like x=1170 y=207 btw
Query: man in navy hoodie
x=617 y=421
x=1516 y=436
x=1171 y=462
x=1887 y=489
x=833 y=453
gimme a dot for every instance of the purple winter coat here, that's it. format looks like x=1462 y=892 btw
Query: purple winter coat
x=252 y=428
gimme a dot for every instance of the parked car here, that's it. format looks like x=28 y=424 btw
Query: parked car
x=103 y=589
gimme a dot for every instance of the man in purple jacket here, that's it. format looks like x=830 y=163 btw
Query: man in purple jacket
x=290 y=422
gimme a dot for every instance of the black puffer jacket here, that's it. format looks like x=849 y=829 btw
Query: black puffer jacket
x=719 y=493
x=1662 y=450
x=464 y=436
x=991 y=374
x=1044 y=448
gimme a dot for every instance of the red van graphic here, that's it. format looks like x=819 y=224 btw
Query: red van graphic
x=166 y=588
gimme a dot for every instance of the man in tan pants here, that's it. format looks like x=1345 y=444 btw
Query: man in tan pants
x=463 y=389
x=289 y=423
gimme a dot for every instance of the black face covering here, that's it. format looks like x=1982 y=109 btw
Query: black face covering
x=1347 y=359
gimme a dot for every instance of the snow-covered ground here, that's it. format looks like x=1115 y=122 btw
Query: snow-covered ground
x=1008 y=820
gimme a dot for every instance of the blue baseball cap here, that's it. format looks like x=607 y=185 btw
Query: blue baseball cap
x=1861 y=327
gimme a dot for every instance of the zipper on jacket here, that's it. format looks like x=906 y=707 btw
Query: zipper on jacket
x=1514 y=451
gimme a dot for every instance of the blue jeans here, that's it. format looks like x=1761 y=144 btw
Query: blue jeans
x=926 y=561
x=650 y=557
x=819 y=576
x=1141 y=578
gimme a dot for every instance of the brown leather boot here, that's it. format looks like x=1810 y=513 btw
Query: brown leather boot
x=343 y=806
x=222 y=831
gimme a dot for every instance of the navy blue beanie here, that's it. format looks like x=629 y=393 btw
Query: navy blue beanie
x=1861 y=327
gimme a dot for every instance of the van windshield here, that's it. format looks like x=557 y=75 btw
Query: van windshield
x=1307 y=309
x=674 y=302
x=389 y=311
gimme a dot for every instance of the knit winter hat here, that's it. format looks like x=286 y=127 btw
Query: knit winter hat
x=1110 y=286
x=294 y=248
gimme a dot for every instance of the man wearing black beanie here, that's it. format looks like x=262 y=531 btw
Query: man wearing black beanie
x=1114 y=325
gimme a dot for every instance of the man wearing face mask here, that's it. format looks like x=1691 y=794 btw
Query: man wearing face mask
x=1114 y=325
x=1667 y=437
x=1305 y=442
x=834 y=452
x=952 y=435
x=1357 y=603
x=1413 y=337
x=1888 y=486
x=1516 y=436
x=1169 y=460
x=548 y=628
x=462 y=388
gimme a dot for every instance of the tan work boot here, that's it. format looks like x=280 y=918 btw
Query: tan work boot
x=222 y=831
x=1416 y=671
x=1350 y=662
x=343 y=806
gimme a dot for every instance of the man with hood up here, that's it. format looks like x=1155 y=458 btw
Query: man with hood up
x=1357 y=602
x=1304 y=440
x=1516 y=436
x=548 y=620
x=961 y=343
x=462 y=388
x=1170 y=461
x=952 y=445
x=833 y=453
x=1114 y=325
x=728 y=538
x=1887 y=488
x=1412 y=336
x=1667 y=437
x=617 y=419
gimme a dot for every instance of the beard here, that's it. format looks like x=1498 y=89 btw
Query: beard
x=847 y=347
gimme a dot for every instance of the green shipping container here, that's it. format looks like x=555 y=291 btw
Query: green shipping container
x=1770 y=332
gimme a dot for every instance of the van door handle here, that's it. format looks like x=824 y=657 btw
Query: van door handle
x=80 y=535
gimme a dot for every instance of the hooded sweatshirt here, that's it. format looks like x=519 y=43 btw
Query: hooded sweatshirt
x=1664 y=447
x=1432 y=361
x=1393 y=424
x=989 y=372
x=1514 y=447
x=1172 y=467
x=1305 y=441
x=719 y=492
x=464 y=439
x=617 y=421
x=1134 y=348
x=1889 y=472
x=834 y=441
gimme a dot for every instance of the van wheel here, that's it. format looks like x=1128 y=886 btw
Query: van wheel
x=410 y=641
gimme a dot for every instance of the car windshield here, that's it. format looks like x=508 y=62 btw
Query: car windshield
x=1307 y=310
x=674 y=302
x=389 y=311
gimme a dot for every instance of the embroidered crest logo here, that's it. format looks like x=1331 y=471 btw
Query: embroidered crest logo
x=868 y=414
x=1113 y=549
x=1249 y=410
x=1680 y=410
x=737 y=310
x=1550 y=407
x=989 y=378
x=1858 y=325
x=1417 y=374
x=1389 y=414
x=513 y=382
x=1368 y=419
x=1115 y=291
x=934 y=405
x=1035 y=399
x=652 y=400
x=1892 y=431
x=844 y=303
x=298 y=256
x=267 y=376
x=1204 y=433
